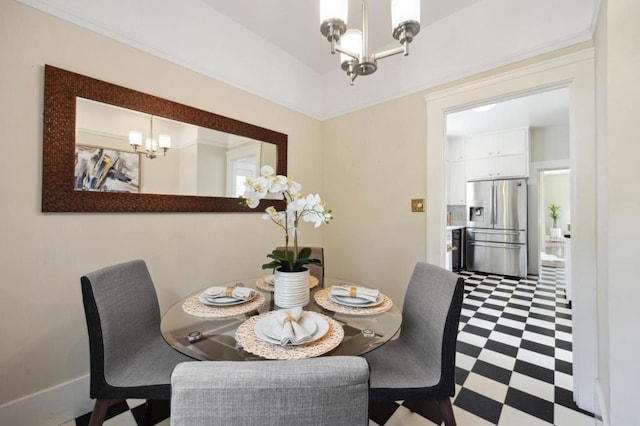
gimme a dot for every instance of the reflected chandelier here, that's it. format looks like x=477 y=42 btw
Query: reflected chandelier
x=151 y=145
x=353 y=44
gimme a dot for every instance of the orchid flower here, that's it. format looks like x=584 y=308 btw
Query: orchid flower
x=309 y=208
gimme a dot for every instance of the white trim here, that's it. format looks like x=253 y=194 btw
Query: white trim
x=560 y=61
x=207 y=142
x=104 y=134
x=601 y=413
x=53 y=406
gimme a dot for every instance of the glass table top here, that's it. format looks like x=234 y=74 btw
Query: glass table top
x=216 y=340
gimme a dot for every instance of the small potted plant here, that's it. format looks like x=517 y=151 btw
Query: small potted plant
x=554 y=214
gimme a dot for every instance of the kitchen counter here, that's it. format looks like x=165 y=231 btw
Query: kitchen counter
x=452 y=227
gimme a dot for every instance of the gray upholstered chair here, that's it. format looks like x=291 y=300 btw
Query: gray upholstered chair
x=128 y=356
x=330 y=391
x=314 y=270
x=420 y=364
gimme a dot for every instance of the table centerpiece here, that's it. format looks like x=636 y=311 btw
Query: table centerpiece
x=291 y=279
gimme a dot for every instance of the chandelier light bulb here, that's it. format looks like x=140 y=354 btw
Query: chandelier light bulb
x=135 y=139
x=164 y=141
x=403 y=11
x=352 y=41
x=334 y=9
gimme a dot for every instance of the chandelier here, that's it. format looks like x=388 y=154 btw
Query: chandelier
x=353 y=44
x=151 y=144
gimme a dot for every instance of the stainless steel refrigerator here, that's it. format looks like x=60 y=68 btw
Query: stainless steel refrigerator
x=497 y=227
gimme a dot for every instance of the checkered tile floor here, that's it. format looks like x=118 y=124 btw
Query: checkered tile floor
x=514 y=361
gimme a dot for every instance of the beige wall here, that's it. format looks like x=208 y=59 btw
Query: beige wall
x=375 y=165
x=42 y=256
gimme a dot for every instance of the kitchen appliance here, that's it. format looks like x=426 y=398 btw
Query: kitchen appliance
x=448 y=257
x=496 y=236
x=457 y=249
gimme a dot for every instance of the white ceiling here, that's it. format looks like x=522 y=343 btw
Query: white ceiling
x=544 y=109
x=274 y=48
x=302 y=18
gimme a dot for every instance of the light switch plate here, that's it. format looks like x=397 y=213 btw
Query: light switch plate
x=417 y=205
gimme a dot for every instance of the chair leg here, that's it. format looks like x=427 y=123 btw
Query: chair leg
x=148 y=410
x=99 y=411
x=410 y=404
x=446 y=411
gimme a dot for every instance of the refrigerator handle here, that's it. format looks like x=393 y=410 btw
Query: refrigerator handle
x=494 y=204
x=499 y=245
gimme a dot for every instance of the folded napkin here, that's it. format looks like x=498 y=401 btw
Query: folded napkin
x=368 y=294
x=240 y=293
x=290 y=328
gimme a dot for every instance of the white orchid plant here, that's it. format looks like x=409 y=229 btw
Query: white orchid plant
x=309 y=208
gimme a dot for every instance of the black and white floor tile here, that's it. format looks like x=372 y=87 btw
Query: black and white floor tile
x=514 y=361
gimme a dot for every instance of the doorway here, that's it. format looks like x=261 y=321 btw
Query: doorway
x=575 y=70
x=531 y=132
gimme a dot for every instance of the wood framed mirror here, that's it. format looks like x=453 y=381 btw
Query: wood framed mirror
x=63 y=91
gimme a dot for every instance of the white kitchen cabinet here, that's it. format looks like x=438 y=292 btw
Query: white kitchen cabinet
x=457 y=194
x=506 y=166
x=497 y=155
x=509 y=142
x=455 y=149
x=456 y=181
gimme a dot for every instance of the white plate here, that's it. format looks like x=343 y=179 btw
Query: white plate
x=356 y=302
x=322 y=327
x=223 y=301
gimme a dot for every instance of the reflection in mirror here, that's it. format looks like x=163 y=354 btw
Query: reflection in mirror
x=200 y=161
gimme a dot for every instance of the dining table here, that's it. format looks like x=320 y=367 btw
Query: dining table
x=232 y=333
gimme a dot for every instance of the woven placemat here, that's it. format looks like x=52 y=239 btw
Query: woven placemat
x=262 y=285
x=246 y=336
x=195 y=307
x=322 y=298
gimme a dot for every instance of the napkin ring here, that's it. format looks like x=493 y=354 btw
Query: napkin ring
x=353 y=292
x=288 y=319
x=229 y=291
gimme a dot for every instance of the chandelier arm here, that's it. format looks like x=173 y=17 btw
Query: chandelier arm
x=365 y=29
x=386 y=53
x=347 y=52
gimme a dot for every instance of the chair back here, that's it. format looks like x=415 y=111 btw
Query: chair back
x=315 y=270
x=314 y=391
x=430 y=317
x=122 y=313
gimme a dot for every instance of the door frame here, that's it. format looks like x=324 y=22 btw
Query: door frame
x=576 y=71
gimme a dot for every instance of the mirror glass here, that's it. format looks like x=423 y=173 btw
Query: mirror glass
x=199 y=161
x=90 y=165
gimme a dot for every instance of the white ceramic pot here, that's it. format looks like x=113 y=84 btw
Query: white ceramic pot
x=291 y=289
x=555 y=232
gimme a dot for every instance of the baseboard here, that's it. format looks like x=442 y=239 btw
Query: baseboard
x=601 y=413
x=52 y=406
